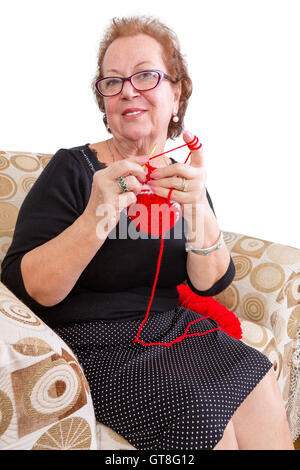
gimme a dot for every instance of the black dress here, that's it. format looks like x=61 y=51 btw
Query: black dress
x=158 y=397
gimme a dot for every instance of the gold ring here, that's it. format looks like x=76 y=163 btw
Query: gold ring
x=184 y=184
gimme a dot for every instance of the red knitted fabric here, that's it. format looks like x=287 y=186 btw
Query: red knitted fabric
x=210 y=308
x=156 y=221
x=151 y=213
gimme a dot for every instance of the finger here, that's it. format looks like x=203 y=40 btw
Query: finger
x=126 y=199
x=197 y=158
x=174 y=182
x=130 y=166
x=176 y=195
x=177 y=169
x=132 y=184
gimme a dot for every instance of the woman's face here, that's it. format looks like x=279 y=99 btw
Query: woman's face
x=128 y=55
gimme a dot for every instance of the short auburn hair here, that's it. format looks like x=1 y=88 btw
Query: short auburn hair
x=174 y=60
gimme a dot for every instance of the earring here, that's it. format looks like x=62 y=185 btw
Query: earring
x=175 y=118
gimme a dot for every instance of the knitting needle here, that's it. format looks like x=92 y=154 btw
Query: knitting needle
x=151 y=153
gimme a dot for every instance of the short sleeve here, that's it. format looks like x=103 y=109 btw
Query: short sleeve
x=53 y=203
x=224 y=281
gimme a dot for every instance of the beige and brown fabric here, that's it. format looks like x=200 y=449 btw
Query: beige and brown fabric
x=265 y=295
x=45 y=401
x=44 y=398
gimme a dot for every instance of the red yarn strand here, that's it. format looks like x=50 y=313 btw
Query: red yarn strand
x=192 y=145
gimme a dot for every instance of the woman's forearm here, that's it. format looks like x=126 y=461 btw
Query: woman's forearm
x=205 y=270
x=51 y=270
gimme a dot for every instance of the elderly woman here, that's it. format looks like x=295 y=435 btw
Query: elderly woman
x=70 y=265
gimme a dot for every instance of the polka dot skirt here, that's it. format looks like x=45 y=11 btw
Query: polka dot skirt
x=165 y=398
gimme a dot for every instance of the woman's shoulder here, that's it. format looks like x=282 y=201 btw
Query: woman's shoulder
x=65 y=156
x=86 y=156
x=70 y=163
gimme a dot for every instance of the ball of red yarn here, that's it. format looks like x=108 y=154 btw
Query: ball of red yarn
x=209 y=307
x=156 y=216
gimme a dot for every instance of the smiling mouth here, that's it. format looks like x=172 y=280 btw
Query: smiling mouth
x=134 y=113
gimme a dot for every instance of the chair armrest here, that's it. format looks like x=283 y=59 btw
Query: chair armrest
x=44 y=395
x=265 y=295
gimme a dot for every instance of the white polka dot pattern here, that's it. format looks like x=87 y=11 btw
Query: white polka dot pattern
x=169 y=398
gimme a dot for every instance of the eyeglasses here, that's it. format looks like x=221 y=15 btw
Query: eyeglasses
x=141 y=81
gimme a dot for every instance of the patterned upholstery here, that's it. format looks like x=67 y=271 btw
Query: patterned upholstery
x=45 y=401
x=265 y=295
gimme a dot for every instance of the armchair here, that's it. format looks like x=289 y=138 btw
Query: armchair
x=45 y=401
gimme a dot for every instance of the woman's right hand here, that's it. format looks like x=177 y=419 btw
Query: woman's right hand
x=107 y=199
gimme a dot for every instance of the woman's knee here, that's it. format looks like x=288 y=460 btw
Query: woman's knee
x=229 y=440
x=270 y=390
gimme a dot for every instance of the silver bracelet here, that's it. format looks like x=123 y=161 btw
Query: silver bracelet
x=205 y=251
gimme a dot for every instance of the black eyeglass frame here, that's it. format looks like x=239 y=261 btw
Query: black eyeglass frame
x=161 y=74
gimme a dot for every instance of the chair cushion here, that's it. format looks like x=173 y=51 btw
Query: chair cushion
x=45 y=401
x=108 y=439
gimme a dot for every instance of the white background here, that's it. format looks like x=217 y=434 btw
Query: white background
x=243 y=57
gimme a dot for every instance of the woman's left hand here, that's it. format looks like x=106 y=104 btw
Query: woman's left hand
x=163 y=179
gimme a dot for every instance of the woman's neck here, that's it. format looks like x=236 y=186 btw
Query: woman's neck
x=125 y=149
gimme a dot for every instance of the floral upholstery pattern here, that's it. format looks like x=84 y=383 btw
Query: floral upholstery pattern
x=45 y=401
